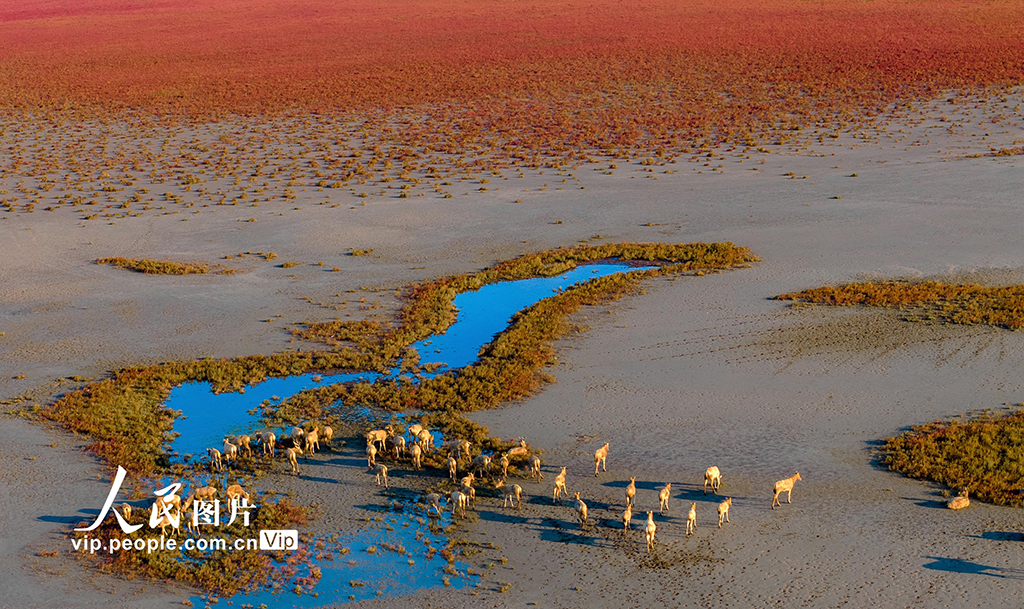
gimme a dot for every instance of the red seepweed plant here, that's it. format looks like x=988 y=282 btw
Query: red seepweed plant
x=521 y=79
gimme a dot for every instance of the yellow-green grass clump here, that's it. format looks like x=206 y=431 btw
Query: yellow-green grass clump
x=124 y=416
x=431 y=307
x=156 y=267
x=363 y=333
x=984 y=456
x=510 y=367
x=952 y=303
x=221 y=572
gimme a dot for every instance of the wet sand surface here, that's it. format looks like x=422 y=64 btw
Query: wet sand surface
x=696 y=371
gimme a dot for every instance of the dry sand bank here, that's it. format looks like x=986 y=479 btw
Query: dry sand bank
x=695 y=372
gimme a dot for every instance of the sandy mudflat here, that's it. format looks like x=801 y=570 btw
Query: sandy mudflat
x=695 y=372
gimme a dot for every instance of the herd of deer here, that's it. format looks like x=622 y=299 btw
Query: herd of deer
x=380 y=442
x=385 y=441
x=301 y=441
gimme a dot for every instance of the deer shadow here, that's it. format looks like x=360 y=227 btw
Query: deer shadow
x=957 y=565
x=560 y=531
x=1000 y=536
x=927 y=503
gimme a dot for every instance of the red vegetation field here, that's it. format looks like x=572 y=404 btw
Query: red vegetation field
x=537 y=77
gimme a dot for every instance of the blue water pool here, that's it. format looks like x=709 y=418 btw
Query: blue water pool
x=485 y=313
x=396 y=556
x=208 y=416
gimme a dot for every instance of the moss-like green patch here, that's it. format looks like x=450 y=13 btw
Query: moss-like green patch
x=959 y=304
x=984 y=455
x=123 y=414
x=157 y=267
x=361 y=333
x=224 y=572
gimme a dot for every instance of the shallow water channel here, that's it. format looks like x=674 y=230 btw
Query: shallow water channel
x=395 y=556
x=209 y=417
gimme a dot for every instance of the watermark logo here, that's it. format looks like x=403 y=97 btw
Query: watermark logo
x=275 y=539
x=127 y=528
x=167 y=511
